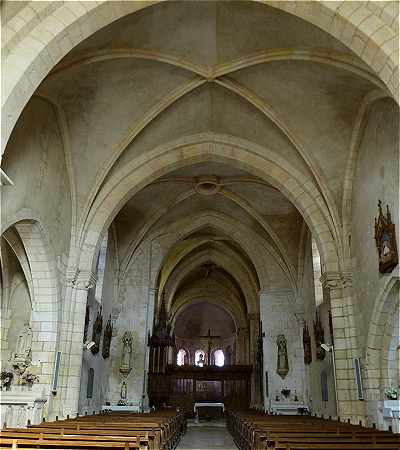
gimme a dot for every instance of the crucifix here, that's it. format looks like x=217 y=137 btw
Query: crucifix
x=209 y=337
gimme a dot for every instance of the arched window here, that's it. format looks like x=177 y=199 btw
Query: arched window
x=90 y=382
x=317 y=274
x=199 y=358
x=180 y=357
x=219 y=358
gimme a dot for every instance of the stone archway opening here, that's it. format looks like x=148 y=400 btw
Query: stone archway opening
x=31 y=333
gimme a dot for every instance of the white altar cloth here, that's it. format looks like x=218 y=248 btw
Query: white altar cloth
x=127 y=408
x=212 y=404
x=288 y=408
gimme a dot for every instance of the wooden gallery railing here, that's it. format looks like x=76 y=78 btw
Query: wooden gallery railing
x=185 y=385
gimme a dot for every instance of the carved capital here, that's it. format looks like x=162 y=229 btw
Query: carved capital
x=71 y=277
x=299 y=317
x=347 y=278
x=85 y=280
x=254 y=316
x=242 y=332
x=336 y=280
x=331 y=280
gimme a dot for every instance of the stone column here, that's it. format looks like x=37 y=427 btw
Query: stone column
x=241 y=356
x=71 y=344
x=152 y=298
x=4 y=344
x=254 y=330
x=338 y=288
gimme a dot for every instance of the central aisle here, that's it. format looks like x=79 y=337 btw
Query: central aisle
x=207 y=437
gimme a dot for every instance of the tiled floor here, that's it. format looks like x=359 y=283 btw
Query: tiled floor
x=207 y=438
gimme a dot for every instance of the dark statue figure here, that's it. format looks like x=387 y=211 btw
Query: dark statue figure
x=385 y=239
x=96 y=332
x=107 y=339
x=307 y=345
x=331 y=327
x=87 y=319
x=319 y=335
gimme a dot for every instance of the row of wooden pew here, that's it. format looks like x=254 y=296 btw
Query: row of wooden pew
x=258 y=431
x=160 y=430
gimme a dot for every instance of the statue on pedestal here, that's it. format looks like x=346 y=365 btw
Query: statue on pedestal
x=24 y=342
x=22 y=357
x=124 y=390
x=283 y=362
x=126 y=360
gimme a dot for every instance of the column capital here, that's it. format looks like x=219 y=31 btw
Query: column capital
x=241 y=331
x=253 y=316
x=347 y=278
x=330 y=280
x=85 y=280
x=274 y=292
x=299 y=317
x=71 y=276
x=336 y=280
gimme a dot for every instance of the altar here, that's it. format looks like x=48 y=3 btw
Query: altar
x=391 y=414
x=121 y=408
x=288 y=408
x=20 y=406
x=208 y=410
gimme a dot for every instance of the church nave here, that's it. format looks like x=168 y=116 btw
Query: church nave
x=200 y=215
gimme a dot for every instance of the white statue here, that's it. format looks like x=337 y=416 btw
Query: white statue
x=126 y=366
x=24 y=342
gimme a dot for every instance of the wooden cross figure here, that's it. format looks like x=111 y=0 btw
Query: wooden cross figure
x=209 y=337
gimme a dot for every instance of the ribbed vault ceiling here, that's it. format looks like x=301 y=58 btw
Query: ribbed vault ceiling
x=235 y=69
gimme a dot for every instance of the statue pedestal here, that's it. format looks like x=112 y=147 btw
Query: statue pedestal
x=20 y=405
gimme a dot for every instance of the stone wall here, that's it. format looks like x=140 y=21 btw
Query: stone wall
x=130 y=310
x=278 y=316
x=313 y=371
x=376 y=295
x=36 y=164
x=377 y=178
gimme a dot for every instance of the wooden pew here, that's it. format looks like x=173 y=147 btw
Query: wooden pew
x=156 y=431
x=257 y=431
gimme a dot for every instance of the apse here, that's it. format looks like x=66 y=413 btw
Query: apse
x=208 y=328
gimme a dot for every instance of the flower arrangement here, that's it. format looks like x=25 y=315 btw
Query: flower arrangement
x=391 y=393
x=6 y=378
x=29 y=378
